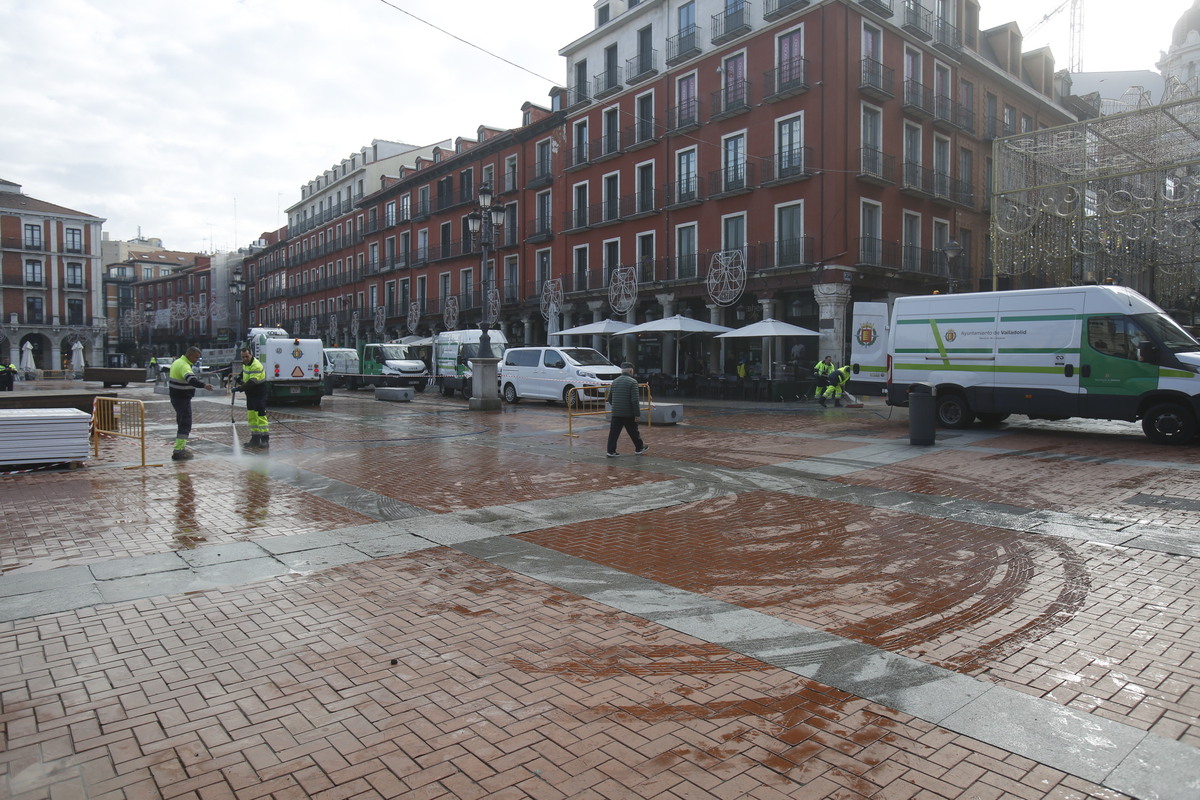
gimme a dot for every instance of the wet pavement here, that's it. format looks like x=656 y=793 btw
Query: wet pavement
x=417 y=600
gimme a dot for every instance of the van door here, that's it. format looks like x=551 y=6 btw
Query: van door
x=1037 y=354
x=550 y=374
x=1112 y=377
x=868 y=348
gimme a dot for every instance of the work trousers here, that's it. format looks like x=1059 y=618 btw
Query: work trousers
x=628 y=424
x=182 y=403
x=256 y=413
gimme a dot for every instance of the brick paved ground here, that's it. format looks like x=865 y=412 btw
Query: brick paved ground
x=505 y=686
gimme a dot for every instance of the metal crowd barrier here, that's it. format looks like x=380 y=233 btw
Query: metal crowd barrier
x=114 y=416
x=591 y=401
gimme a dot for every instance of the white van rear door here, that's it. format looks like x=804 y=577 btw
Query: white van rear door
x=869 y=343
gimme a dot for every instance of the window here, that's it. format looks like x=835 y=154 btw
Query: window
x=645 y=188
x=872 y=43
x=33 y=237
x=685 y=251
x=688 y=110
x=612 y=258
x=73 y=240
x=645 y=117
x=466 y=285
x=733 y=157
x=789 y=134
x=75 y=275
x=912 y=155
x=542 y=224
x=872 y=138
x=941 y=166
x=542 y=268
x=33 y=273
x=34 y=311
x=1010 y=120
x=602 y=15
x=405 y=210
x=580 y=215
x=510 y=174
x=581 y=93
x=1026 y=123
x=733 y=232
x=512 y=278
x=544 y=165
x=870 y=231
x=389 y=214
x=1118 y=337
x=789 y=53
x=612 y=131
x=581 y=267
x=789 y=234
x=612 y=197
x=734 y=81
x=645 y=256
x=579 y=154
x=912 y=241
x=687 y=18
x=685 y=174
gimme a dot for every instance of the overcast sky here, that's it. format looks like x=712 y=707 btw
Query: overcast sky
x=198 y=120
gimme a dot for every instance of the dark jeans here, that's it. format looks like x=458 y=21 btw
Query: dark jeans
x=618 y=424
x=182 y=403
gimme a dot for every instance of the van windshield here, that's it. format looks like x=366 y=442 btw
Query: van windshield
x=586 y=357
x=395 y=352
x=1167 y=331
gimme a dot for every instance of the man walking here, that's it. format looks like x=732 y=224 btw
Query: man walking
x=626 y=409
x=253 y=382
x=183 y=384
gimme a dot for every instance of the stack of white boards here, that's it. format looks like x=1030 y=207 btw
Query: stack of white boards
x=43 y=435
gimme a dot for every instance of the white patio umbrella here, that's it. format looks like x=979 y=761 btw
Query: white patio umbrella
x=768 y=329
x=77 y=364
x=605 y=327
x=27 y=364
x=677 y=324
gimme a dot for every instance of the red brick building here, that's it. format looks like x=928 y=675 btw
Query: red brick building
x=50 y=281
x=725 y=160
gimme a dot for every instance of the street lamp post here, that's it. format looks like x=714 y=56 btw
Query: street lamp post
x=951 y=250
x=483 y=222
x=150 y=328
x=237 y=288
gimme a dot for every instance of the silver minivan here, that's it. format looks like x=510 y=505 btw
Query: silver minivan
x=550 y=373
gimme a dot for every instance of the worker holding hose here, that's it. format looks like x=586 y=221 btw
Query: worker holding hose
x=253 y=382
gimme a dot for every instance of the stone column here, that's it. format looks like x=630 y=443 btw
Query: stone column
x=833 y=299
x=716 y=353
x=770 y=343
x=597 y=309
x=667 y=301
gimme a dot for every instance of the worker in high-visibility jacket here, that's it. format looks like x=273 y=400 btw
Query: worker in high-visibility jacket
x=8 y=374
x=837 y=380
x=182 y=385
x=253 y=383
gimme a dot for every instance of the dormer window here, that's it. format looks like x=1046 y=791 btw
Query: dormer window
x=602 y=15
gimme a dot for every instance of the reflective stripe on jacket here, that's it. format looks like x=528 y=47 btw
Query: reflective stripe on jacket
x=182 y=379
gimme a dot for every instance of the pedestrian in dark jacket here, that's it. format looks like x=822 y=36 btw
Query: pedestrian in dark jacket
x=626 y=410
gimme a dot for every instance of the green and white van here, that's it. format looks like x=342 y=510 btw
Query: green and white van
x=1097 y=352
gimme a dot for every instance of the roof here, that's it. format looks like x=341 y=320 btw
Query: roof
x=24 y=204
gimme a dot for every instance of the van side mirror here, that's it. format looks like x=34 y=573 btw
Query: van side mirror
x=1147 y=352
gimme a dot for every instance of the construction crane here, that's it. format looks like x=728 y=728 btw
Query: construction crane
x=1075 y=43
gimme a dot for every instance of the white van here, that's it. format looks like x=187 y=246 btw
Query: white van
x=550 y=373
x=452 y=353
x=1096 y=352
x=340 y=362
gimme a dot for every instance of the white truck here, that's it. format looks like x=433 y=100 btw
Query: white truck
x=1096 y=352
x=293 y=365
x=452 y=353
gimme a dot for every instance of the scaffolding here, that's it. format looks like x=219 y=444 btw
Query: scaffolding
x=1116 y=198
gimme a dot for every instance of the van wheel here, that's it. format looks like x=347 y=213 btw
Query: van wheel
x=466 y=390
x=510 y=394
x=953 y=412
x=570 y=400
x=992 y=418
x=419 y=386
x=1169 y=423
x=447 y=391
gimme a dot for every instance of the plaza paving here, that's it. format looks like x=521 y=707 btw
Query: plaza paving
x=417 y=600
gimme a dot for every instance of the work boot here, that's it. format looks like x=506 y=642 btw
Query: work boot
x=254 y=442
x=837 y=402
x=181 y=455
x=821 y=400
x=264 y=441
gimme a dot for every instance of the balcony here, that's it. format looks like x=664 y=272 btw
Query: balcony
x=778 y=9
x=642 y=133
x=637 y=205
x=541 y=229
x=607 y=84
x=683 y=193
x=579 y=95
x=949 y=115
x=684 y=45
x=918 y=99
x=787 y=80
x=787 y=166
x=917 y=20
x=577 y=219
x=641 y=67
x=876 y=252
x=876 y=166
x=881 y=7
x=948 y=39
x=606 y=147
x=786 y=253
x=734 y=99
x=578 y=156
x=541 y=175
x=877 y=80
x=683 y=117
x=732 y=179
x=918 y=180
x=731 y=23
